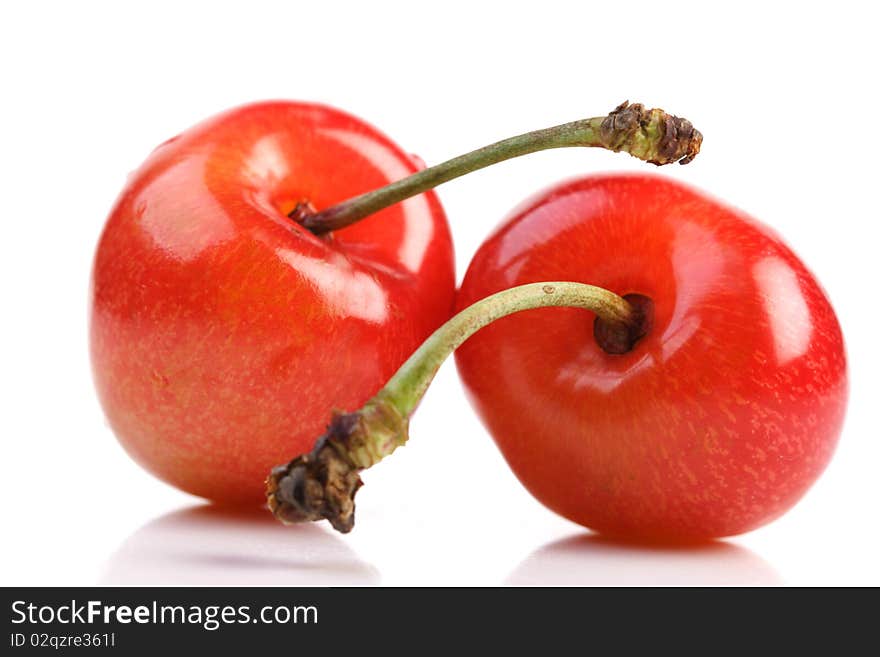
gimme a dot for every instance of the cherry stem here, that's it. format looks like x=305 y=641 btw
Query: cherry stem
x=322 y=484
x=650 y=135
x=408 y=385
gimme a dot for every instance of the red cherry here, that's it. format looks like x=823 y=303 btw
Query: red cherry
x=230 y=310
x=221 y=330
x=715 y=422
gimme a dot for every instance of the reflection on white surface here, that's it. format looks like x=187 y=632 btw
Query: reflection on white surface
x=209 y=545
x=589 y=560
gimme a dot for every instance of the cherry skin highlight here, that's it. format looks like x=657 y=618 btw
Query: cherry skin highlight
x=221 y=331
x=716 y=421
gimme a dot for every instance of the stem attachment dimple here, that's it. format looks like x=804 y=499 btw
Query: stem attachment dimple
x=322 y=484
x=621 y=337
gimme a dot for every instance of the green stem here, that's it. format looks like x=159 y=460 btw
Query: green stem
x=650 y=135
x=408 y=385
x=322 y=483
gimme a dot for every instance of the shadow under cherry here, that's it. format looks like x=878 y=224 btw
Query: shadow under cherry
x=206 y=544
x=595 y=560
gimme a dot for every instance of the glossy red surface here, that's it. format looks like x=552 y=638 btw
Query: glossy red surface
x=718 y=420
x=222 y=333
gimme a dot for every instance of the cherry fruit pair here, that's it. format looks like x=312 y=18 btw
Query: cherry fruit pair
x=283 y=260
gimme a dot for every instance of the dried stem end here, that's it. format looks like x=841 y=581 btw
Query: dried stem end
x=322 y=484
x=650 y=134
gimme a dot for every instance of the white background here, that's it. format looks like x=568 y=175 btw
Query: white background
x=786 y=96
